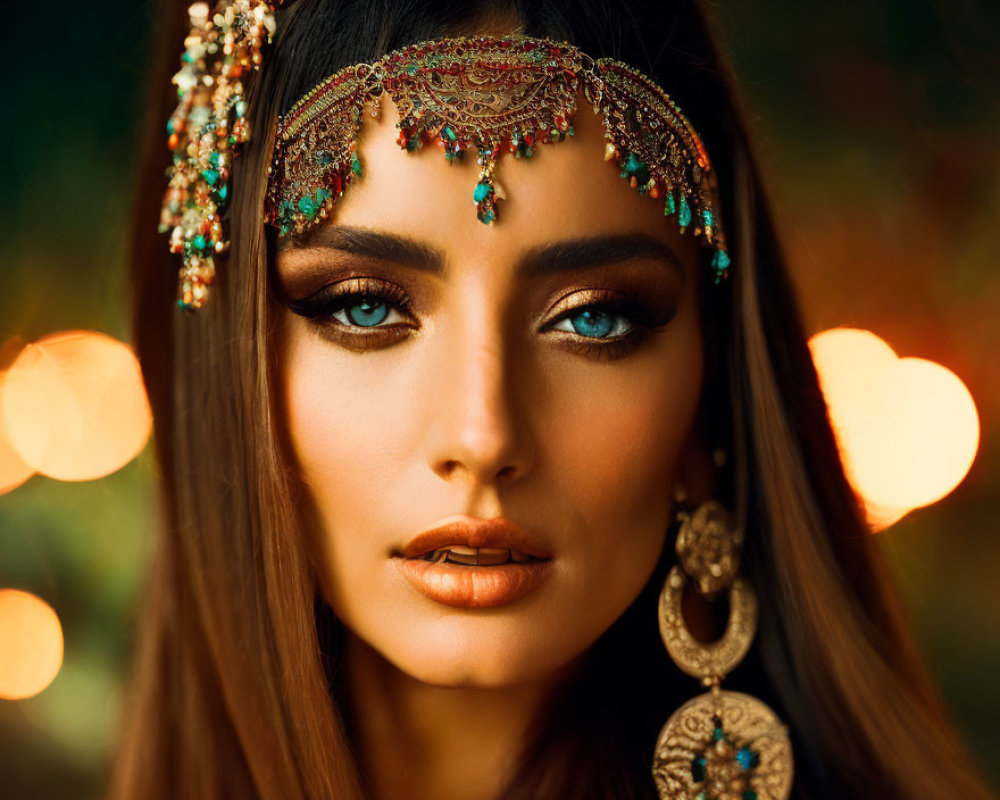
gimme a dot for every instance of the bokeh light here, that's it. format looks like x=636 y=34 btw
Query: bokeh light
x=907 y=428
x=31 y=644
x=13 y=469
x=74 y=406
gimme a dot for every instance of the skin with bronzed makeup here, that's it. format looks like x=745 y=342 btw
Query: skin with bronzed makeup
x=546 y=370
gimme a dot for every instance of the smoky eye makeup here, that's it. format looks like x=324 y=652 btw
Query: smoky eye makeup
x=607 y=324
x=363 y=313
x=358 y=313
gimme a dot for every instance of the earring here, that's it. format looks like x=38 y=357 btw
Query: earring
x=721 y=745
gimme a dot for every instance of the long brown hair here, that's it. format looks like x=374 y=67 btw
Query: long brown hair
x=237 y=691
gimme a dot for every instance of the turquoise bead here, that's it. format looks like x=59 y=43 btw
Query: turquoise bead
x=633 y=164
x=684 y=215
x=698 y=769
x=720 y=261
x=482 y=192
x=308 y=207
x=747 y=758
x=635 y=167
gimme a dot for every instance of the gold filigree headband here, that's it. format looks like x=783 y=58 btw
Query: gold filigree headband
x=495 y=95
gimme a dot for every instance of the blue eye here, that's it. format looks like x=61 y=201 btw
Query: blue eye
x=357 y=303
x=366 y=313
x=595 y=322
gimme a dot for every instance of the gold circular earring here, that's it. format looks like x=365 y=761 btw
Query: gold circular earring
x=720 y=745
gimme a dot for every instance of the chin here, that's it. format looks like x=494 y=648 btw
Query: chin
x=452 y=653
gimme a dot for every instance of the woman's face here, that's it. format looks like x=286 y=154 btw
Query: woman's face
x=546 y=369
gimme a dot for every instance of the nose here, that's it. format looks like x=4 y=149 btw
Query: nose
x=476 y=427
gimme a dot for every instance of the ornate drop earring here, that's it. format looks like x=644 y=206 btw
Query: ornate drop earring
x=721 y=745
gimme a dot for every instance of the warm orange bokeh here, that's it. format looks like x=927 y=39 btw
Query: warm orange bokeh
x=74 y=406
x=13 y=469
x=31 y=644
x=907 y=428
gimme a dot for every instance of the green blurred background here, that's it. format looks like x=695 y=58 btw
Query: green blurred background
x=877 y=125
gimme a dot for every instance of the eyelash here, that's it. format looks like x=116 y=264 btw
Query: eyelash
x=321 y=307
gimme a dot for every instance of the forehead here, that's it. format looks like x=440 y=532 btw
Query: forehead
x=565 y=191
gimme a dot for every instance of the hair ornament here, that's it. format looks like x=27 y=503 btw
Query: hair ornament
x=206 y=130
x=497 y=95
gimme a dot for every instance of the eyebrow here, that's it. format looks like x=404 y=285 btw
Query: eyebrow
x=559 y=256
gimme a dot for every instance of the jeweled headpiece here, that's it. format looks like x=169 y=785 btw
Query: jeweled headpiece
x=496 y=95
x=206 y=130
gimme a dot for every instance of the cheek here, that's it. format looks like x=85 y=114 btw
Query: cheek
x=347 y=421
x=615 y=449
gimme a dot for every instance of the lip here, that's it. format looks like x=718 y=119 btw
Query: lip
x=462 y=586
x=498 y=532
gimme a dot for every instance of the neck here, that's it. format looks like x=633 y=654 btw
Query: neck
x=417 y=741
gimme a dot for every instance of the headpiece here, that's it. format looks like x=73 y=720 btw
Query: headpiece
x=496 y=95
x=206 y=130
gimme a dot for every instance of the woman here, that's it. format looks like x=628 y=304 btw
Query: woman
x=425 y=477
